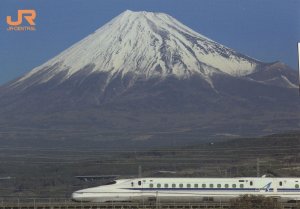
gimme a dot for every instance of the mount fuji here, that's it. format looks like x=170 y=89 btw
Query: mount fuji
x=146 y=75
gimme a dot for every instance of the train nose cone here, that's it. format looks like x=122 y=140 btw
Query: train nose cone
x=76 y=196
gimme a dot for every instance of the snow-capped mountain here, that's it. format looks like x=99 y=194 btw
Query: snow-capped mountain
x=148 y=75
x=144 y=44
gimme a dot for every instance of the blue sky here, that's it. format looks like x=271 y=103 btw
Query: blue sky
x=267 y=30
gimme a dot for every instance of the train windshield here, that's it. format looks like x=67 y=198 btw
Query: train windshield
x=110 y=183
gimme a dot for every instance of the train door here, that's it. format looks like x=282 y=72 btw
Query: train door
x=275 y=184
x=141 y=189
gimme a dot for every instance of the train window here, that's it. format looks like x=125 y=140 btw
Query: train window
x=132 y=184
x=139 y=183
x=203 y=185
x=180 y=185
x=297 y=186
x=188 y=185
x=166 y=185
x=195 y=185
x=233 y=185
x=251 y=183
x=158 y=185
x=151 y=185
x=241 y=185
x=241 y=180
x=219 y=185
x=173 y=185
x=226 y=185
x=211 y=186
x=280 y=183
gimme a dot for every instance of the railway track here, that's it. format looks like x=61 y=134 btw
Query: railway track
x=67 y=204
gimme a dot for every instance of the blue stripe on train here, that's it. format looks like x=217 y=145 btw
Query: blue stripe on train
x=289 y=189
x=194 y=189
x=212 y=189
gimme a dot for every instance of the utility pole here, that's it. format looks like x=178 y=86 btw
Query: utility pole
x=257 y=167
x=140 y=171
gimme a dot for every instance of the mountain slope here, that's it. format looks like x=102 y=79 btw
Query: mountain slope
x=144 y=44
x=145 y=75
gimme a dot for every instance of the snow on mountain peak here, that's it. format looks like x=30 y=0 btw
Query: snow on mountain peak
x=145 y=44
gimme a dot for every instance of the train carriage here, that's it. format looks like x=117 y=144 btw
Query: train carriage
x=190 y=189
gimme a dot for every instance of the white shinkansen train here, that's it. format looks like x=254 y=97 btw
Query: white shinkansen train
x=190 y=189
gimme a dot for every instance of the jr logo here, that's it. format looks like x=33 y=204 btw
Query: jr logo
x=267 y=188
x=29 y=15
